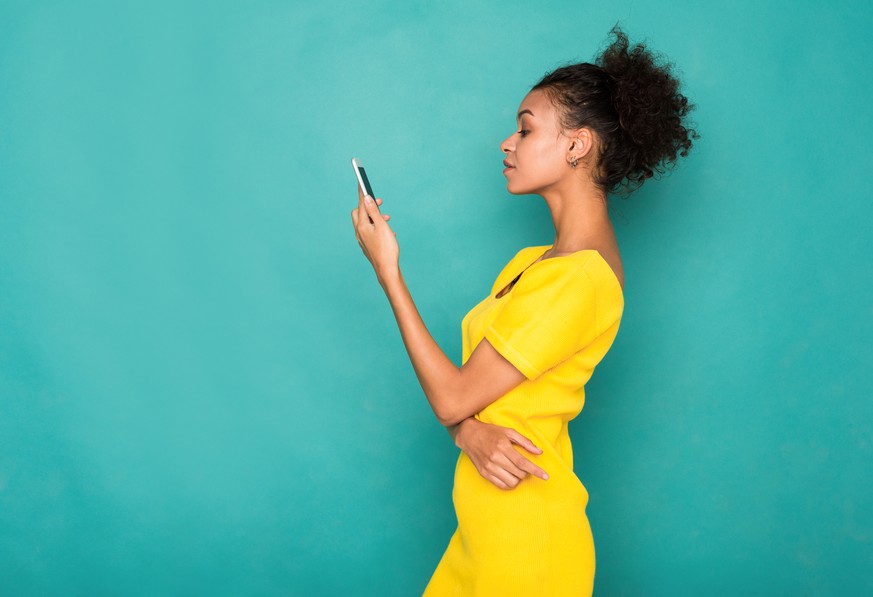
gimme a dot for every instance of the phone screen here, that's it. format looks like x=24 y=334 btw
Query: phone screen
x=363 y=181
x=367 y=188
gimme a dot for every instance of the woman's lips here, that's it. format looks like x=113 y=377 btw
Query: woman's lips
x=507 y=168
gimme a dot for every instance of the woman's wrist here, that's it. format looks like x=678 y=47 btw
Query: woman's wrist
x=388 y=275
x=463 y=427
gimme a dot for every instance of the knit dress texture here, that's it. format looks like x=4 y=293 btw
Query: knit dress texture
x=554 y=325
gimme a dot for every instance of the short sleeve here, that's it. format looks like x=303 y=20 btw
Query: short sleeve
x=549 y=315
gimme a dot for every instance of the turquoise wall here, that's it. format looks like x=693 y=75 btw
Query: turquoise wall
x=202 y=387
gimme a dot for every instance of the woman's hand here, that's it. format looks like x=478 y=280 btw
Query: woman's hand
x=490 y=449
x=376 y=238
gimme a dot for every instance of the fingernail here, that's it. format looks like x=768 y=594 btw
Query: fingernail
x=545 y=476
x=368 y=199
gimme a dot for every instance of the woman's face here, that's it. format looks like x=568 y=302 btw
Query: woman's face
x=536 y=154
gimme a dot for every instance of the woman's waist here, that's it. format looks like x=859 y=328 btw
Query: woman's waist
x=475 y=497
x=562 y=478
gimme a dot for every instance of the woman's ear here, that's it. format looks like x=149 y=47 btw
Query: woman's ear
x=582 y=143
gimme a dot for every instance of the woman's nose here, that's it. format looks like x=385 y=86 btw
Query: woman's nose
x=505 y=145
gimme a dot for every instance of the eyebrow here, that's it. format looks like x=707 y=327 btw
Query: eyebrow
x=524 y=112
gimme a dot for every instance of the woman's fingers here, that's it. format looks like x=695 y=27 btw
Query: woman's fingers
x=522 y=462
x=498 y=482
x=496 y=458
x=362 y=210
x=370 y=209
x=507 y=480
x=497 y=468
x=355 y=216
x=385 y=217
x=515 y=437
x=371 y=206
x=502 y=468
x=510 y=466
x=509 y=473
x=529 y=467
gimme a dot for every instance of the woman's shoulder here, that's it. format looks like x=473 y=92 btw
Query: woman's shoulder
x=587 y=266
x=591 y=261
x=577 y=282
x=598 y=267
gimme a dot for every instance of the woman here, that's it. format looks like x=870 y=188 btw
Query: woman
x=584 y=131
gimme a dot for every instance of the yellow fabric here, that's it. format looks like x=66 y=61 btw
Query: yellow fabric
x=555 y=326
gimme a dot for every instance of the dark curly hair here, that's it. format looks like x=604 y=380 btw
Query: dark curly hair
x=632 y=102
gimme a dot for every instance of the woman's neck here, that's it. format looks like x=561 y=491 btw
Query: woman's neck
x=581 y=221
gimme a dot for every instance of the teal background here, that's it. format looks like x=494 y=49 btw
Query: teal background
x=203 y=390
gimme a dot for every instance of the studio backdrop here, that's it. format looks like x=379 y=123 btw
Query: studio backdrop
x=203 y=390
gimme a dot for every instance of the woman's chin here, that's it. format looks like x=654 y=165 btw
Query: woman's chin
x=515 y=190
x=512 y=189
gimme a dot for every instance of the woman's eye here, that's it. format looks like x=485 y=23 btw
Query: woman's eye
x=523 y=132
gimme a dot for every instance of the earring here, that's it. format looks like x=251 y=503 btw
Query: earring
x=575 y=161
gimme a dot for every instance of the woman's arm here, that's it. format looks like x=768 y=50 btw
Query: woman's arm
x=453 y=393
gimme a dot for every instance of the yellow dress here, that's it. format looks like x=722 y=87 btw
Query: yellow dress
x=555 y=325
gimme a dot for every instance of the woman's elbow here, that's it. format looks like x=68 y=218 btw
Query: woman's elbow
x=449 y=420
x=448 y=403
x=450 y=415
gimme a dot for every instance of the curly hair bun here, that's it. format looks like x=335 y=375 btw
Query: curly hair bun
x=632 y=100
x=650 y=108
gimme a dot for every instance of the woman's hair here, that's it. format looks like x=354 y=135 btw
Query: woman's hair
x=633 y=104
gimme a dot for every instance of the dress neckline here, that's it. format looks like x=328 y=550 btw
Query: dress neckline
x=573 y=254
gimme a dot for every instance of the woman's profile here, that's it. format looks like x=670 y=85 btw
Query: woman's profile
x=584 y=132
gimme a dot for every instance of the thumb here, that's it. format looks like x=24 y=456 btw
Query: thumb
x=372 y=210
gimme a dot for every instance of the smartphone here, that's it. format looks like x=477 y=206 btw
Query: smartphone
x=363 y=181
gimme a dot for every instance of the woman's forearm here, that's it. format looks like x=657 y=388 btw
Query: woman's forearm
x=437 y=374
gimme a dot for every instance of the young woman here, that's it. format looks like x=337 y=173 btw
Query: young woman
x=584 y=132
